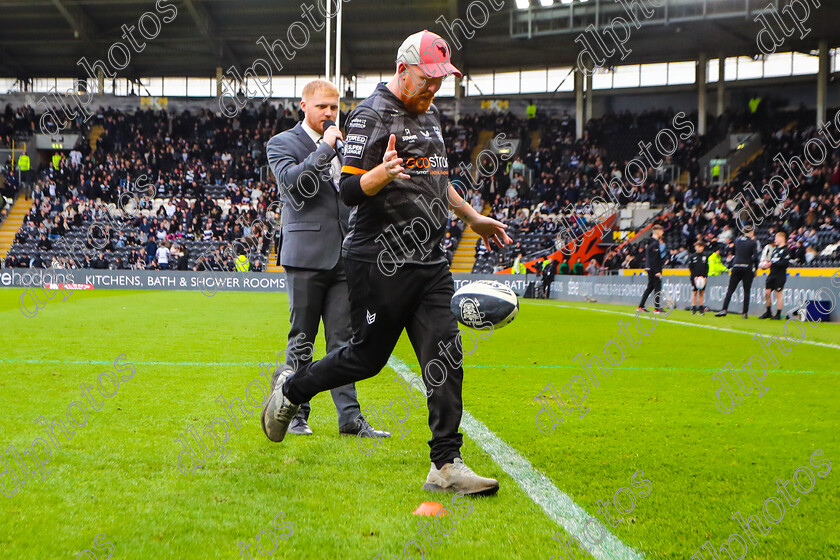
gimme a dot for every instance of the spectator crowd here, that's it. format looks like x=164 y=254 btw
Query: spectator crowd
x=202 y=191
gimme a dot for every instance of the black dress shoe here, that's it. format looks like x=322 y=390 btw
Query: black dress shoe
x=360 y=426
x=299 y=427
x=721 y=313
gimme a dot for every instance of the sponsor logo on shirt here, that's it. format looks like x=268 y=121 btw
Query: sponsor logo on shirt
x=409 y=137
x=353 y=150
x=356 y=139
x=435 y=161
x=438 y=133
x=357 y=123
x=433 y=165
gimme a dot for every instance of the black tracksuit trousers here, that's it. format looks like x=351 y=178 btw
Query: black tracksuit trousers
x=415 y=298
x=739 y=274
x=654 y=286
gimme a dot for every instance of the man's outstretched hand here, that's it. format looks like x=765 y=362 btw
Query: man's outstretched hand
x=391 y=168
x=393 y=163
x=488 y=229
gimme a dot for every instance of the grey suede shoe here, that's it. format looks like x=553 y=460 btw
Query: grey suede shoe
x=458 y=477
x=278 y=412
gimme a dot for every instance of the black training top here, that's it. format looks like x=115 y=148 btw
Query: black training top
x=653 y=258
x=779 y=261
x=698 y=265
x=406 y=220
x=746 y=253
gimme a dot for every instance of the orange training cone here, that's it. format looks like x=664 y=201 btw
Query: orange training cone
x=428 y=508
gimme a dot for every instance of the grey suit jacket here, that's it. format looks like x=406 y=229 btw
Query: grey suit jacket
x=314 y=219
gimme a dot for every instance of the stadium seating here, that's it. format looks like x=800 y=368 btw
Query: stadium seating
x=212 y=158
x=219 y=168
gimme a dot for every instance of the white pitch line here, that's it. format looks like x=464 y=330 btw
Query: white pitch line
x=674 y=321
x=558 y=505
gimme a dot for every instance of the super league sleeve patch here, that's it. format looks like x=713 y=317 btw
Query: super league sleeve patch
x=354 y=145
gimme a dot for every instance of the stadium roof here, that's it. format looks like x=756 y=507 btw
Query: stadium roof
x=46 y=38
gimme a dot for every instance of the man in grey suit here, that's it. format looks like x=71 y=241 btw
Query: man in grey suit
x=314 y=222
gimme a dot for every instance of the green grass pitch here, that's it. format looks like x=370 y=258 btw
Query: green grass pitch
x=118 y=475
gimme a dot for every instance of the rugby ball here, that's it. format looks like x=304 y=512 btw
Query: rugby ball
x=767 y=253
x=485 y=302
x=700 y=282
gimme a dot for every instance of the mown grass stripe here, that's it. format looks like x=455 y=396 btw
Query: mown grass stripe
x=496 y=366
x=675 y=322
x=557 y=505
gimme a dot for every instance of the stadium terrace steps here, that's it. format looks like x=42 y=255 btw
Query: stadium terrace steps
x=535 y=140
x=464 y=257
x=95 y=133
x=13 y=223
x=271 y=265
x=734 y=172
x=484 y=138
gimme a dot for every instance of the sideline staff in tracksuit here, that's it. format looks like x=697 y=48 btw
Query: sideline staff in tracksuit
x=742 y=271
x=653 y=264
x=779 y=262
x=395 y=176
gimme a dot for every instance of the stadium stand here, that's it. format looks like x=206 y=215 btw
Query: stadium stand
x=565 y=171
x=198 y=180
x=207 y=183
x=812 y=217
x=810 y=214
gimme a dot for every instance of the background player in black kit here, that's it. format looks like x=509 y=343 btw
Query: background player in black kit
x=779 y=262
x=698 y=266
x=395 y=176
x=742 y=271
x=653 y=264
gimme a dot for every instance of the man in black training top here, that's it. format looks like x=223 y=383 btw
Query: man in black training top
x=698 y=266
x=395 y=176
x=653 y=265
x=742 y=271
x=779 y=262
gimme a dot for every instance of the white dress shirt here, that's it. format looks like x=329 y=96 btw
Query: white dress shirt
x=317 y=139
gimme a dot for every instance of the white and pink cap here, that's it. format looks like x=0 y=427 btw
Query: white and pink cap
x=430 y=52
